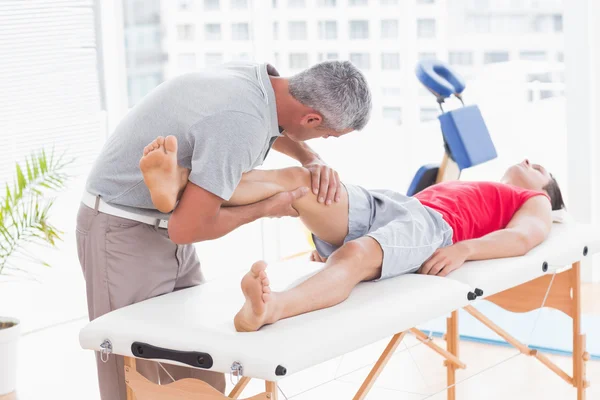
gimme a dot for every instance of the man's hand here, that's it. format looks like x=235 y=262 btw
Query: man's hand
x=325 y=181
x=315 y=256
x=445 y=260
x=280 y=205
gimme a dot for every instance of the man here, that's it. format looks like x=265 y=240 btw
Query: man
x=226 y=120
x=373 y=235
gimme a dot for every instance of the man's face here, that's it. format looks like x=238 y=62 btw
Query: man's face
x=527 y=176
x=301 y=133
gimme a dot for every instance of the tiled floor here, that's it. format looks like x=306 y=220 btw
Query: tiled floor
x=52 y=366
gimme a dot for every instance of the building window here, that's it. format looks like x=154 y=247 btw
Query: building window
x=239 y=4
x=390 y=61
x=361 y=60
x=392 y=114
x=426 y=28
x=357 y=2
x=426 y=56
x=428 y=113
x=491 y=57
x=185 y=5
x=328 y=56
x=276 y=30
x=212 y=31
x=560 y=56
x=213 y=59
x=297 y=30
x=460 y=58
x=185 y=32
x=389 y=29
x=211 y=5
x=296 y=3
x=327 y=3
x=558 y=22
x=186 y=61
x=242 y=57
x=298 y=60
x=533 y=55
x=274 y=3
x=359 y=29
x=391 y=91
x=389 y=2
x=327 y=30
x=240 y=31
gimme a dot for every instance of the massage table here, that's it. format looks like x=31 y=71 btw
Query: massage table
x=194 y=327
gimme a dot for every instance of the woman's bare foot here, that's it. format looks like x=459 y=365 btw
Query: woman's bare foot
x=163 y=177
x=260 y=305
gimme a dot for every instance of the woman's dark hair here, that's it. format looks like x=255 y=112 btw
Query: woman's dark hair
x=553 y=190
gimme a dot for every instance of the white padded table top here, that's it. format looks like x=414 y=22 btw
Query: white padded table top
x=564 y=246
x=201 y=319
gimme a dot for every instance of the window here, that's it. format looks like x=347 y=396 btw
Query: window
x=560 y=56
x=327 y=30
x=186 y=61
x=359 y=29
x=242 y=57
x=426 y=56
x=491 y=57
x=425 y=1
x=327 y=3
x=296 y=3
x=361 y=60
x=239 y=4
x=533 y=55
x=426 y=28
x=213 y=59
x=298 y=60
x=277 y=59
x=389 y=2
x=274 y=3
x=240 y=31
x=185 y=32
x=211 y=5
x=328 y=56
x=392 y=114
x=357 y=2
x=390 y=61
x=389 y=29
x=212 y=31
x=297 y=30
x=428 y=113
x=460 y=58
x=558 y=22
x=391 y=91
x=276 y=30
x=184 y=5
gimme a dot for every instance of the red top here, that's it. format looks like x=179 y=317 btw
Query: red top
x=474 y=209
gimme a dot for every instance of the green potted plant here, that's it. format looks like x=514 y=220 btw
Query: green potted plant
x=24 y=211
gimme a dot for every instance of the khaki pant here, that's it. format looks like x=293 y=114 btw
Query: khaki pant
x=125 y=262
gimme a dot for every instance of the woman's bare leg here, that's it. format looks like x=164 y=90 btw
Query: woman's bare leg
x=356 y=261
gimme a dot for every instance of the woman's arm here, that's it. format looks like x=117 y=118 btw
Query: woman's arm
x=528 y=228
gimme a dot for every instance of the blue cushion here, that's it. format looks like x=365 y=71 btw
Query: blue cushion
x=425 y=177
x=467 y=136
x=439 y=78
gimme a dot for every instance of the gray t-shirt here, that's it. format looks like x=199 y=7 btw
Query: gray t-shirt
x=225 y=121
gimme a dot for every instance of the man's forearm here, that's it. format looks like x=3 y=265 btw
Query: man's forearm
x=499 y=244
x=296 y=150
x=225 y=221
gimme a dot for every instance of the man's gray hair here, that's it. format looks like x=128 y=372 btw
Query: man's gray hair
x=338 y=91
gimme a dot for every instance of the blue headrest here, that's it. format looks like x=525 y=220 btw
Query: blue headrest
x=425 y=177
x=439 y=78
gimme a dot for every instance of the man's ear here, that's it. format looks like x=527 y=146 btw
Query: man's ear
x=312 y=120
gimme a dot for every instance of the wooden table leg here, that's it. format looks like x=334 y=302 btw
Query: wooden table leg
x=272 y=388
x=452 y=346
x=579 y=376
x=130 y=363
